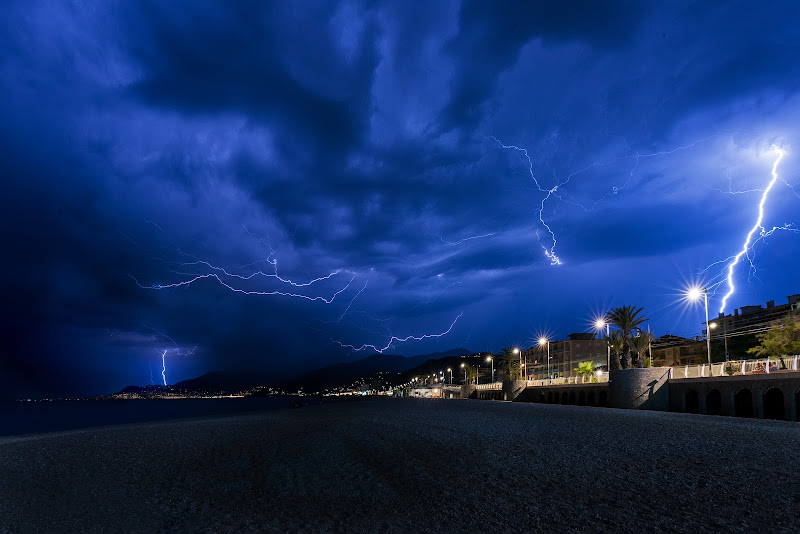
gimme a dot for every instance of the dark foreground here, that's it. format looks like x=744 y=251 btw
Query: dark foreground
x=410 y=466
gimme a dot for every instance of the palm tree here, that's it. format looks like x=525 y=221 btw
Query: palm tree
x=471 y=373
x=616 y=343
x=511 y=360
x=585 y=369
x=626 y=319
x=639 y=345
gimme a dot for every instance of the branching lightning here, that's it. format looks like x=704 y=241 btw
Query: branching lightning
x=164 y=366
x=734 y=260
x=253 y=292
x=549 y=252
x=553 y=192
x=227 y=278
x=395 y=339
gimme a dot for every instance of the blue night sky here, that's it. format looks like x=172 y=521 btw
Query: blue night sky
x=352 y=155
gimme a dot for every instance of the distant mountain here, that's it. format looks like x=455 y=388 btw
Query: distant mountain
x=215 y=381
x=224 y=381
x=331 y=376
x=342 y=374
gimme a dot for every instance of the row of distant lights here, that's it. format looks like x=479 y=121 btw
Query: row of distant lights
x=692 y=294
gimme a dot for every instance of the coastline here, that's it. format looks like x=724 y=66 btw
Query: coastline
x=400 y=465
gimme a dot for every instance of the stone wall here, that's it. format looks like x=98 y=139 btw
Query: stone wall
x=576 y=394
x=739 y=395
x=514 y=390
x=639 y=389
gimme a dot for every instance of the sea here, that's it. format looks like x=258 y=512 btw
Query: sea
x=38 y=417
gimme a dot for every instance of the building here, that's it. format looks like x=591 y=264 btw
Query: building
x=565 y=356
x=751 y=316
x=675 y=350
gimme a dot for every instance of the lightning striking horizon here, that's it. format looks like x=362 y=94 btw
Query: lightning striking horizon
x=747 y=245
x=164 y=366
x=395 y=339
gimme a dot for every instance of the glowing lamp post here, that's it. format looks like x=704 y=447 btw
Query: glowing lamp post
x=464 y=367
x=542 y=342
x=693 y=295
x=522 y=369
x=490 y=359
x=599 y=324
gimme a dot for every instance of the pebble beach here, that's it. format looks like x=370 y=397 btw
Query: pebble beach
x=404 y=465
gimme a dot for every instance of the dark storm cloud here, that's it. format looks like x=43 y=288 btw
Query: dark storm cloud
x=257 y=59
x=138 y=139
x=491 y=35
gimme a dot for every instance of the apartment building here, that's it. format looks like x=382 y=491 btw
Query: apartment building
x=565 y=356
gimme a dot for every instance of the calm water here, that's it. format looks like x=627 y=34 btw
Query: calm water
x=37 y=417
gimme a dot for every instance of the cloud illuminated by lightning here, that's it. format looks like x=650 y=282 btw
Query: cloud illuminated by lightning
x=747 y=245
x=553 y=192
x=395 y=339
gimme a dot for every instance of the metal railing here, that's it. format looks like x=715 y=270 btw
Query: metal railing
x=731 y=368
x=737 y=367
x=575 y=380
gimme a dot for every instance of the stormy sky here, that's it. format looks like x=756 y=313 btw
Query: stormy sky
x=252 y=185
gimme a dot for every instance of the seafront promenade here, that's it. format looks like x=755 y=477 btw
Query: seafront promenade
x=410 y=465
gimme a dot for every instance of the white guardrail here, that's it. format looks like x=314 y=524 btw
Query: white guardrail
x=738 y=367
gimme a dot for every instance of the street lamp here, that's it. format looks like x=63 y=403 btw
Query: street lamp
x=542 y=342
x=490 y=359
x=522 y=368
x=599 y=324
x=693 y=294
x=464 y=367
x=451 y=375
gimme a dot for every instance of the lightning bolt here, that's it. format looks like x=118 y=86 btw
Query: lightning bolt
x=164 y=367
x=252 y=292
x=746 y=246
x=549 y=252
x=553 y=192
x=453 y=243
x=395 y=339
x=226 y=278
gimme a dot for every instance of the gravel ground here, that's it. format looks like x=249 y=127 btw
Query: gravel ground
x=409 y=466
